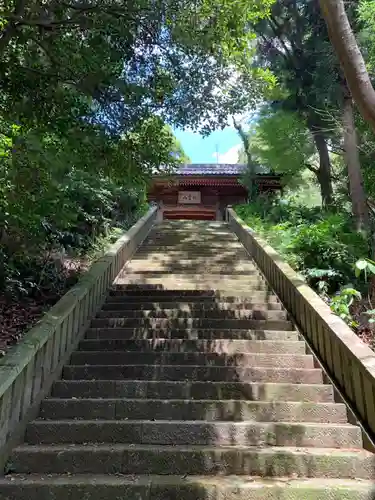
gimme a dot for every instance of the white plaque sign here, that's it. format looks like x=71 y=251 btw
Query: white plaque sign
x=193 y=197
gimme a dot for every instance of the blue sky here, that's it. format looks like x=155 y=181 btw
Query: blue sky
x=203 y=150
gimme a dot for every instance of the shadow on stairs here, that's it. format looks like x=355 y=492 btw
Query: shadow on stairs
x=191 y=384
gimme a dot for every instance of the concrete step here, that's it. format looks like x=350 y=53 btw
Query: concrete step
x=190 y=238
x=208 y=279
x=214 y=345
x=239 y=391
x=196 y=323
x=188 y=247
x=186 y=409
x=123 y=294
x=193 y=266
x=190 y=460
x=206 y=225
x=197 y=234
x=173 y=237
x=214 y=275
x=178 y=232
x=192 y=367
x=241 y=289
x=195 y=257
x=202 y=314
x=188 y=230
x=183 y=432
x=195 y=254
x=221 y=234
x=192 y=358
x=203 y=229
x=191 y=372
x=100 y=487
x=173 y=314
x=204 y=306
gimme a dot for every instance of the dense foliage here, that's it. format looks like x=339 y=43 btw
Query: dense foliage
x=319 y=245
x=325 y=249
x=310 y=131
x=89 y=93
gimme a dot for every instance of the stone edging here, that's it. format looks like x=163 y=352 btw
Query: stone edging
x=349 y=361
x=29 y=368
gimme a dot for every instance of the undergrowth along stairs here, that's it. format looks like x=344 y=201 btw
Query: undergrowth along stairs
x=191 y=384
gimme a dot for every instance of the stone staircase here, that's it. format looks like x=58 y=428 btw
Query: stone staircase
x=191 y=384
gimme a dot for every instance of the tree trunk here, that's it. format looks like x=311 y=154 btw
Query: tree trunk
x=357 y=193
x=350 y=57
x=324 y=172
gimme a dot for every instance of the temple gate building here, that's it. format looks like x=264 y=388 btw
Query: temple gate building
x=203 y=191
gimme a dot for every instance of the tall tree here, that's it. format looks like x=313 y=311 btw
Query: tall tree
x=296 y=43
x=350 y=56
x=125 y=62
x=292 y=44
x=86 y=89
x=351 y=153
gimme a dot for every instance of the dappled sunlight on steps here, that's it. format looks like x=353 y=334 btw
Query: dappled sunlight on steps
x=192 y=383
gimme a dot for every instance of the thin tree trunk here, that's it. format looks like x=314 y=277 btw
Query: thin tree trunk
x=350 y=57
x=357 y=192
x=324 y=172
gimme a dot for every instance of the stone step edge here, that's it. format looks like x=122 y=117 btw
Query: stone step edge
x=166 y=353
x=248 y=402
x=148 y=293
x=174 y=314
x=203 y=359
x=188 y=272
x=109 y=384
x=232 y=482
x=195 y=382
x=187 y=295
x=123 y=314
x=117 y=307
x=230 y=287
x=211 y=423
x=191 y=277
x=192 y=318
x=335 y=412
x=174 y=367
x=178 y=432
x=138 y=303
x=202 y=337
x=113 y=447
x=237 y=330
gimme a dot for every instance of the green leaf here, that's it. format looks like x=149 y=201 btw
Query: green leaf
x=361 y=264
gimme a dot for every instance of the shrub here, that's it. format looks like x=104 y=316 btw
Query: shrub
x=322 y=246
x=330 y=245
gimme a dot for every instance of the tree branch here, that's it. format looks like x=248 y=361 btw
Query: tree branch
x=278 y=31
x=10 y=29
x=311 y=168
